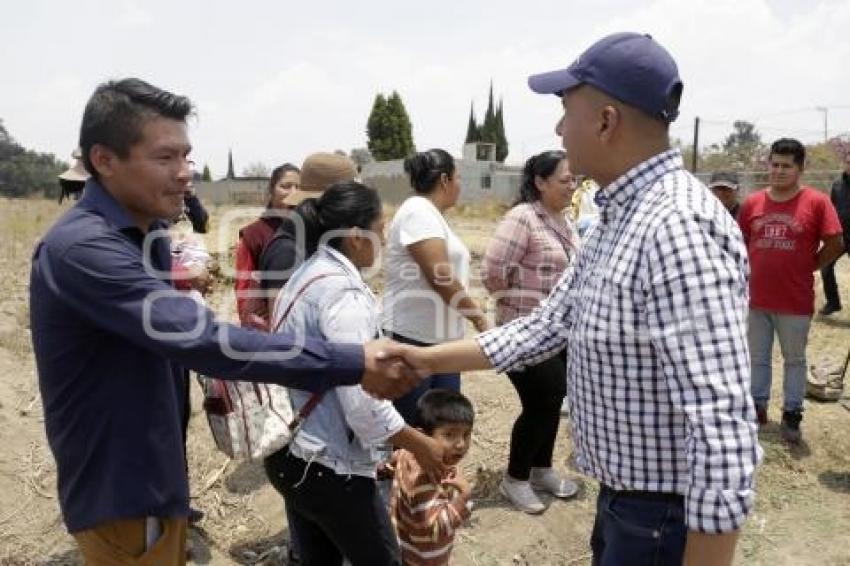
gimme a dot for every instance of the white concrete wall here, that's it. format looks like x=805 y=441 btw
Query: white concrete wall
x=389 y=179
x=232 y=192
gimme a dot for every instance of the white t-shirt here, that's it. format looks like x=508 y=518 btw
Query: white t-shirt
x=411 y=307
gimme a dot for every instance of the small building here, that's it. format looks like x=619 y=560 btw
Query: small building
x=233 y=189
x=482 y=177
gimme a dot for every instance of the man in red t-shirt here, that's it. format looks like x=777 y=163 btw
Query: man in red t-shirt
x=791 y=231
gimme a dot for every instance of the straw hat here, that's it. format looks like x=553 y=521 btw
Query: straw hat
x=320 y=171
x=77 y=172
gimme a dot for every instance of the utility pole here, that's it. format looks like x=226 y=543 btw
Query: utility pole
x=695 y=157
x=825 y=111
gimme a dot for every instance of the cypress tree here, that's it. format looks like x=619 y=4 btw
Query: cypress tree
x=501 y=138
x=472 y=132
x=488 y=129
x=402 y=130
x=376 y=129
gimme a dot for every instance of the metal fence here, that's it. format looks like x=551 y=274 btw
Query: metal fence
x=755 y=180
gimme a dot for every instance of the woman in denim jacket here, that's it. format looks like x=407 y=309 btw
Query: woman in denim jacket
x=327 y=473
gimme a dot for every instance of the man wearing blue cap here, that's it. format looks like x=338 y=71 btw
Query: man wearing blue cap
x=653 y=315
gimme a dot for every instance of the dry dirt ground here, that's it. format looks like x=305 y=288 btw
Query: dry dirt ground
x=802 y=514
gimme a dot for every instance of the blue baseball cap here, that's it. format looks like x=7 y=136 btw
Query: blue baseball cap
x=630 y=67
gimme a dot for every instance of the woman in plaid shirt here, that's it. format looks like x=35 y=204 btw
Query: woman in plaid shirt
x=532 y=246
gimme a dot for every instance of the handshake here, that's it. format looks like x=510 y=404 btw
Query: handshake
x=391 y=369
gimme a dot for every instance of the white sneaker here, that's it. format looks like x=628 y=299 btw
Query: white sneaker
x=547 y=479
x=521 y=495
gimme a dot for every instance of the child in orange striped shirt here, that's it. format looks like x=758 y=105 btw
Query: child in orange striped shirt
x=426 y=512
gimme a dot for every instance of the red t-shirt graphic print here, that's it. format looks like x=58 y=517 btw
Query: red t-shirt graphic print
x=782 y=241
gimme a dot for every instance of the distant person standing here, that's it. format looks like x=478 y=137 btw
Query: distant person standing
x=253 y=240
x=840 y=196
x=291 y=244
x=531 y=248
x=427 y=270
x=584 y=211
x=72 y=181
x=791 y=231
x=194 y=210
x=725 y=186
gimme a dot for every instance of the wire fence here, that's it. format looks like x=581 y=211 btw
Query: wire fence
x=751 y=181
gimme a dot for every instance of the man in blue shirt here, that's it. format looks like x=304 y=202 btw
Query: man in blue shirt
x=111 y=336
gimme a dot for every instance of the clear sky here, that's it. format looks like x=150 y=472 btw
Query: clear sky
x=277 y=80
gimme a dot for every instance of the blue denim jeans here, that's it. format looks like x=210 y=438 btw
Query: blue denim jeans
x=793 y=333
x=638 y=529
x=406 y=404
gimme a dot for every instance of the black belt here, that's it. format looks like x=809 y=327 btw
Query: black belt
x=645 y=495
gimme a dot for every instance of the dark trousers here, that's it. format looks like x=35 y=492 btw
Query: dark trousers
x=406 y=404
x=335 y=516
x=830 y=285
x=541 y=390
x=638 y=529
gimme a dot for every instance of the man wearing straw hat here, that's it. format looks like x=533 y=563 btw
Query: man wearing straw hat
x=72 y=181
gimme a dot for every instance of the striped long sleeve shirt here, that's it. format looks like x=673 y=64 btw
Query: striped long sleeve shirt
x=424 y=514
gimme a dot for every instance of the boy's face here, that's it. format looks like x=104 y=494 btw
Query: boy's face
x=455 y=440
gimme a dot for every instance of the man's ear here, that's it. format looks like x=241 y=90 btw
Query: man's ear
x=103 y=160
x=609 y=122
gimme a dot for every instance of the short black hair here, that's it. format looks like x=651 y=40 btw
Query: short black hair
x=789 y=146
x=118 y=110
x=438 y=407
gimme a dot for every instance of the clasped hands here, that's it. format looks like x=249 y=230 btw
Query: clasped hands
x=392 y=369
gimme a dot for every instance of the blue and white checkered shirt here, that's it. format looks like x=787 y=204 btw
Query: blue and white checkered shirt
x=653 y=314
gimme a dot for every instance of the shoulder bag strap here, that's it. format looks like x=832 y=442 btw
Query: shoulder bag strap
x=315 y=398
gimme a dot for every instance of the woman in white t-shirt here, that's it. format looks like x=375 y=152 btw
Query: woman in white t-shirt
x=427 y=270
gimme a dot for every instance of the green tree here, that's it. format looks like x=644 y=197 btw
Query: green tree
x=402 y=128
x=489 y=129
x=388 y=129
x=25 y=172
x=492 y=130
x=825 y=156
x=206 y=176
x=743 y=146
x=473 y=134
x=501 y=139
x=378 y=129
